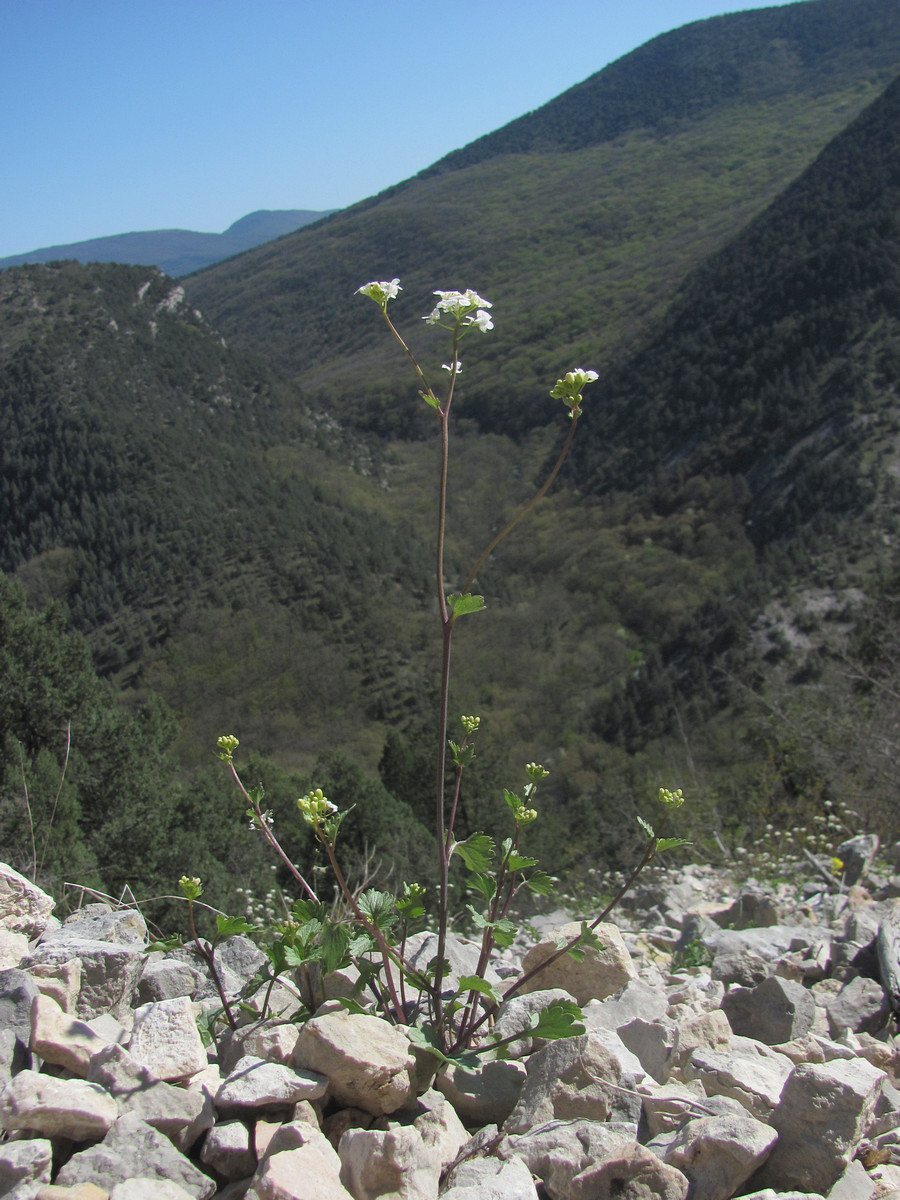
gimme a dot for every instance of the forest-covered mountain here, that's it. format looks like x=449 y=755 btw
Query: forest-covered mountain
x=242 y=525
x=176 y=251
x=580 y=240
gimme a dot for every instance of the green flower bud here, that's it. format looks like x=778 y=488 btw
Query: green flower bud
x=671 y=799
x=227 y=744
x=190 y=886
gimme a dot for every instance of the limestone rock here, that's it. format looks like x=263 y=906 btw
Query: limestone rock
x=777 y=1010
x=61 y=1039
x=133 y=1150
x=824 y=1112
x=24 y=908
x=392 y=1163
x=25 y=1163
x=569 y=1080
x=719 y=1154
x=166 y=1040
x=600 y=974
x=368 y=1062
x=487 y=1095
x=69 y=1108
x=255 y=1083
x=491 y=1179
x=179 y=1113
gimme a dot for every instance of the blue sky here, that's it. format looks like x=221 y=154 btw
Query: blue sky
x=119 y=115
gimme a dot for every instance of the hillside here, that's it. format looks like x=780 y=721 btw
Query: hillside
x=175 y=251
x=580 y=238
x=250 y=536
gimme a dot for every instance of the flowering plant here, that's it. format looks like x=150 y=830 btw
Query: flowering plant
x=450 y=1021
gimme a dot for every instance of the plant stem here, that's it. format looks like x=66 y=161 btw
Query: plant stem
x=270 y=836
x=524 y=510
x=207 y=954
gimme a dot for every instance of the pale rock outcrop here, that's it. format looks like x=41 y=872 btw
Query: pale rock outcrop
x=59 y=1038
x=132 y=1149
x=395 y=1163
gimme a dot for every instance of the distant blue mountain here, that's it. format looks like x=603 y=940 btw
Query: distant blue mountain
x=177 y=251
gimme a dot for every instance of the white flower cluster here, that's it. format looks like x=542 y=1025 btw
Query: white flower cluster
x=466 y=307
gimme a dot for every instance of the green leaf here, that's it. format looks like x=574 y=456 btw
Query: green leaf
x=560 y=1019
x=296 y=956
x=646 y=827
x=474 y=983
x=540 y=883
x=335 y=941
x=432 y=400
x=518 y=862
x=379 y=907
x=485 y=884
x=514 y=801
x=359 y=945
x=309 y=910
x=229 y=926
x=172 y=942
x=505 y=932
x=464 y=602
x=671 y=844
x=424 y=1039
x=477 y=851
x=257 y=795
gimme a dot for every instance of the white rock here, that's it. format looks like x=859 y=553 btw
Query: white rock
x=393 y=1163
x=23 y=1163
x=570 y=1080
x=24 y=908
x=166 y=1040
x=484 y=1096
x=755 y=1078
x=718 y=1154
x=13 y=948
x=601 y=973
x=59 y=1038
x=490 y=1179
x=301 y=1164
x=824 y=1112
x=255 y=1083
x=368 y=1062
x=52 y=1107
x=228 y=1149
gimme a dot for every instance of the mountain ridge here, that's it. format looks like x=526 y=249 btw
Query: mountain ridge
x=176 y=251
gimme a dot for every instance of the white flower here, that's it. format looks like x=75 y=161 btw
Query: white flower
x=449 y=367
x=380 y=290
x=482 y=320
x=457 y=305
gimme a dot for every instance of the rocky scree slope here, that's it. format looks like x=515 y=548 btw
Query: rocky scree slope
x=737 y=1042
